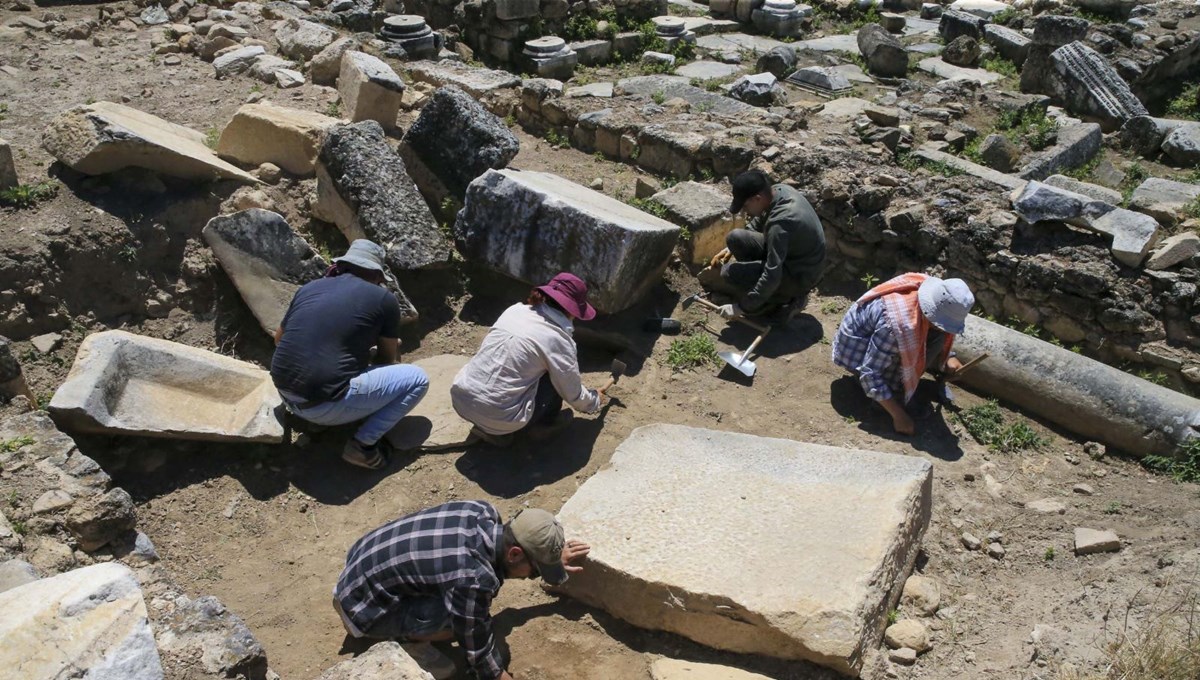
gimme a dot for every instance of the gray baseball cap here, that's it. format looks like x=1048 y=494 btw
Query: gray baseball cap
x=541 y=537
x=368 y=255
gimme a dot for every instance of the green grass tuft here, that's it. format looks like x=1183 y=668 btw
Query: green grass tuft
x=694 y=350
x=28 y=195
x=1183 y=467
x=987 y=424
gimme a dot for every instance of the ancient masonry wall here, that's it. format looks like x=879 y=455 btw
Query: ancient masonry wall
x=883 y=219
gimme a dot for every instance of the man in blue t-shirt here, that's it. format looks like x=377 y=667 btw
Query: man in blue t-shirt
x=323 y=350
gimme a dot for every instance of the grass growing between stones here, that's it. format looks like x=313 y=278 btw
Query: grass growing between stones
x=11 y=445
x=1032 y=126
x=28 y=195
x=694 y=350
x=998 y=64
x=1186 y=104
x=988 y=426
x=1183 y=467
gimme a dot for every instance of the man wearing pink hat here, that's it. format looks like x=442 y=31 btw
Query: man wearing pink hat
x=527 y=366
x=896 y=331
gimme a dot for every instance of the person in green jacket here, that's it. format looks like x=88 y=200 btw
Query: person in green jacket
x=779 y=257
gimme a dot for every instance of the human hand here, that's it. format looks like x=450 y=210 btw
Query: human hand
x=953 y=370
x=729 y=311
x=720 y=258
x=574 y=550
x=903 y=424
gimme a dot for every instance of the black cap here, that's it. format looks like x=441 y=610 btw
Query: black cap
x=747 y=184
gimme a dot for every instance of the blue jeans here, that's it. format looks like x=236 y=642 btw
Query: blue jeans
x=412 y=617
x=382 y=395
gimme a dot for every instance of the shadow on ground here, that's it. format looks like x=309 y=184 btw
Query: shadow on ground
x=527 y=464
x=933 y=436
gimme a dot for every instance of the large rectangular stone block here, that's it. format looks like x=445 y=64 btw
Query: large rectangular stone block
x=704 y=210
x=266 y=133
x=749 y=544
x=459 y=140
x=533 y=225
x=1089 y=86
x=123 y=383
x=105 y=137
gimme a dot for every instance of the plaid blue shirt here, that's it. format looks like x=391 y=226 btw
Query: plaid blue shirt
x=866 y=346
x=450 y=551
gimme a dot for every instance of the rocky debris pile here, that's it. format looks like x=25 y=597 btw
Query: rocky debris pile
x=364 y=188
x=104 y=137
x=532 y=225
x=100 y=595
x=670 y=488
x=1176 y=140
x=137 y=385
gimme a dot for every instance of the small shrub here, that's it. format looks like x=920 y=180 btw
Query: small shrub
x=28 y=195
x=869 y=280
x=983 y=422
x=580 y=27
x=831 y=307
x=11 y=445
x=556 y=139
x=659 y=97
x=892 y=616
x=1192 y=209
x=1184 y=466
x=1004 y=16
x=333 y=110
x=998 y=64
x=1184 y=105
x=211 y=137
x=19 y=527
x=1049 y=555
x=694 y=350
x=1113 y=508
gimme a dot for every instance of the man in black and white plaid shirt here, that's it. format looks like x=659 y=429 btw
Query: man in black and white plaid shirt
x=432 y=575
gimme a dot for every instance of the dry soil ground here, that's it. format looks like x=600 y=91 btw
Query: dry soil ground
x=266 y=528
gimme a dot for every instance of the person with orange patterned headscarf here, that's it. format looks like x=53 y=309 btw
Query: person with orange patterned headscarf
x=898 y=330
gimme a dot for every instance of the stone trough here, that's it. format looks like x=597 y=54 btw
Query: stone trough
x=749 y=544
x=129 y=384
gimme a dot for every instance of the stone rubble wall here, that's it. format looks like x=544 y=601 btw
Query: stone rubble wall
x=65 y=514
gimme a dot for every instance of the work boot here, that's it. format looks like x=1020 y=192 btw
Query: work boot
x=500 y=441
x=369 y=457
x=542 y=431
x=430 y=659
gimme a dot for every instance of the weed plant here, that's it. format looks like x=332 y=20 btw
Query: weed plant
x=694 y=350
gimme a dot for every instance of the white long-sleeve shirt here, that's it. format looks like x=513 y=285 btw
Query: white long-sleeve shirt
x=495 y=390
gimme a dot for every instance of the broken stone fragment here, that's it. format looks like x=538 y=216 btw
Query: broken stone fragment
x=962 y=51
x=908 y=633
x=1092 y=541
x=364 y=188
x=1173 y=250
x=131 y=384
x=369 y=89
x=923 y=594
x=8 y=170
x=105 y=137
x=1163 y=199
x=1133 y=234
x=671 y=488
x=92 y=618
x=533 y=225
x=266 y=133
x=266 y=260
x=1089 y=86
x=457 y=139
x=704 y=210
x=327 y=64
x=383 y=661
x=1182 y=145
x=300 y=39
x=674 y=669
x=98 y=520
x=884 y=54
